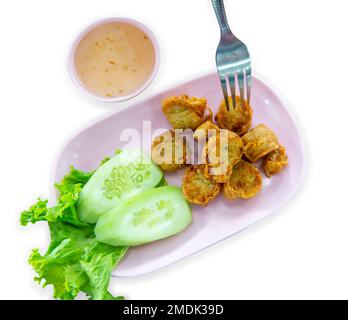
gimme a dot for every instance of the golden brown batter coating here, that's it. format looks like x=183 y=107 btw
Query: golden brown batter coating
x=186 y=112
x=237 y=120
x=275 y=162
x=169 y=151
x=206 y=130
x=197 y=188
x=221 y=153
x=245 y=182
x=259 y=142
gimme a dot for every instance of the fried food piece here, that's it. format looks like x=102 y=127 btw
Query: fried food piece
x=259 y=142
x=237 y=120
x=245 y=182
x=275 y=162
x=221 y=153
x=197 y=188
x=205 y=131
x=186 y=112
x=169 y=151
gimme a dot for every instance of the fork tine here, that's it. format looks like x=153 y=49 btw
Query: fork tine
x=240 y=74
x=224 y=90
x=248 y=80
x=232 y=83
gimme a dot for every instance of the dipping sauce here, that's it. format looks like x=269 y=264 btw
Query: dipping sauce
x=115 y=59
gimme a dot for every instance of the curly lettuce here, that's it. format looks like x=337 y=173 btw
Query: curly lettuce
x=75 y=261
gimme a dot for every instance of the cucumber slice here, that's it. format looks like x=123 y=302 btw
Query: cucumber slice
x=152 y=215
x=125 y=175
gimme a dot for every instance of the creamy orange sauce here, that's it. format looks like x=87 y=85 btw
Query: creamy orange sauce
x=115 y=59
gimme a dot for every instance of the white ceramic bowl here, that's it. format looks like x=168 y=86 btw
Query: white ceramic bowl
x=71 y=59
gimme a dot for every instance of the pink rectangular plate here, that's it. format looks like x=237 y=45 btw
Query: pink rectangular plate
x=222 y=218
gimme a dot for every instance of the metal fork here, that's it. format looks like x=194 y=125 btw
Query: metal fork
x=232 y=60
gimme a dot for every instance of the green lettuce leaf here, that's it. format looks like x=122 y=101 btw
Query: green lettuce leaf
x=65 y=210
x=163 y=183
x=75 y=261
x=77 y=264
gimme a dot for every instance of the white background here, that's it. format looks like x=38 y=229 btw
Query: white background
x=299 y=47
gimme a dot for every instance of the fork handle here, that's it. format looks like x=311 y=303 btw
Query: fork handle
x=221 y=15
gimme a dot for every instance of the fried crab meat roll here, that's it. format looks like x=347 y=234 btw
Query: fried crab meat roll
x=275 y=162
x=259 y=142
x=245 y=182
x=221 y=153
x=205 y=131
x=186 y=112
x=169 y=151
x=238 y=119
x=197 y=188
